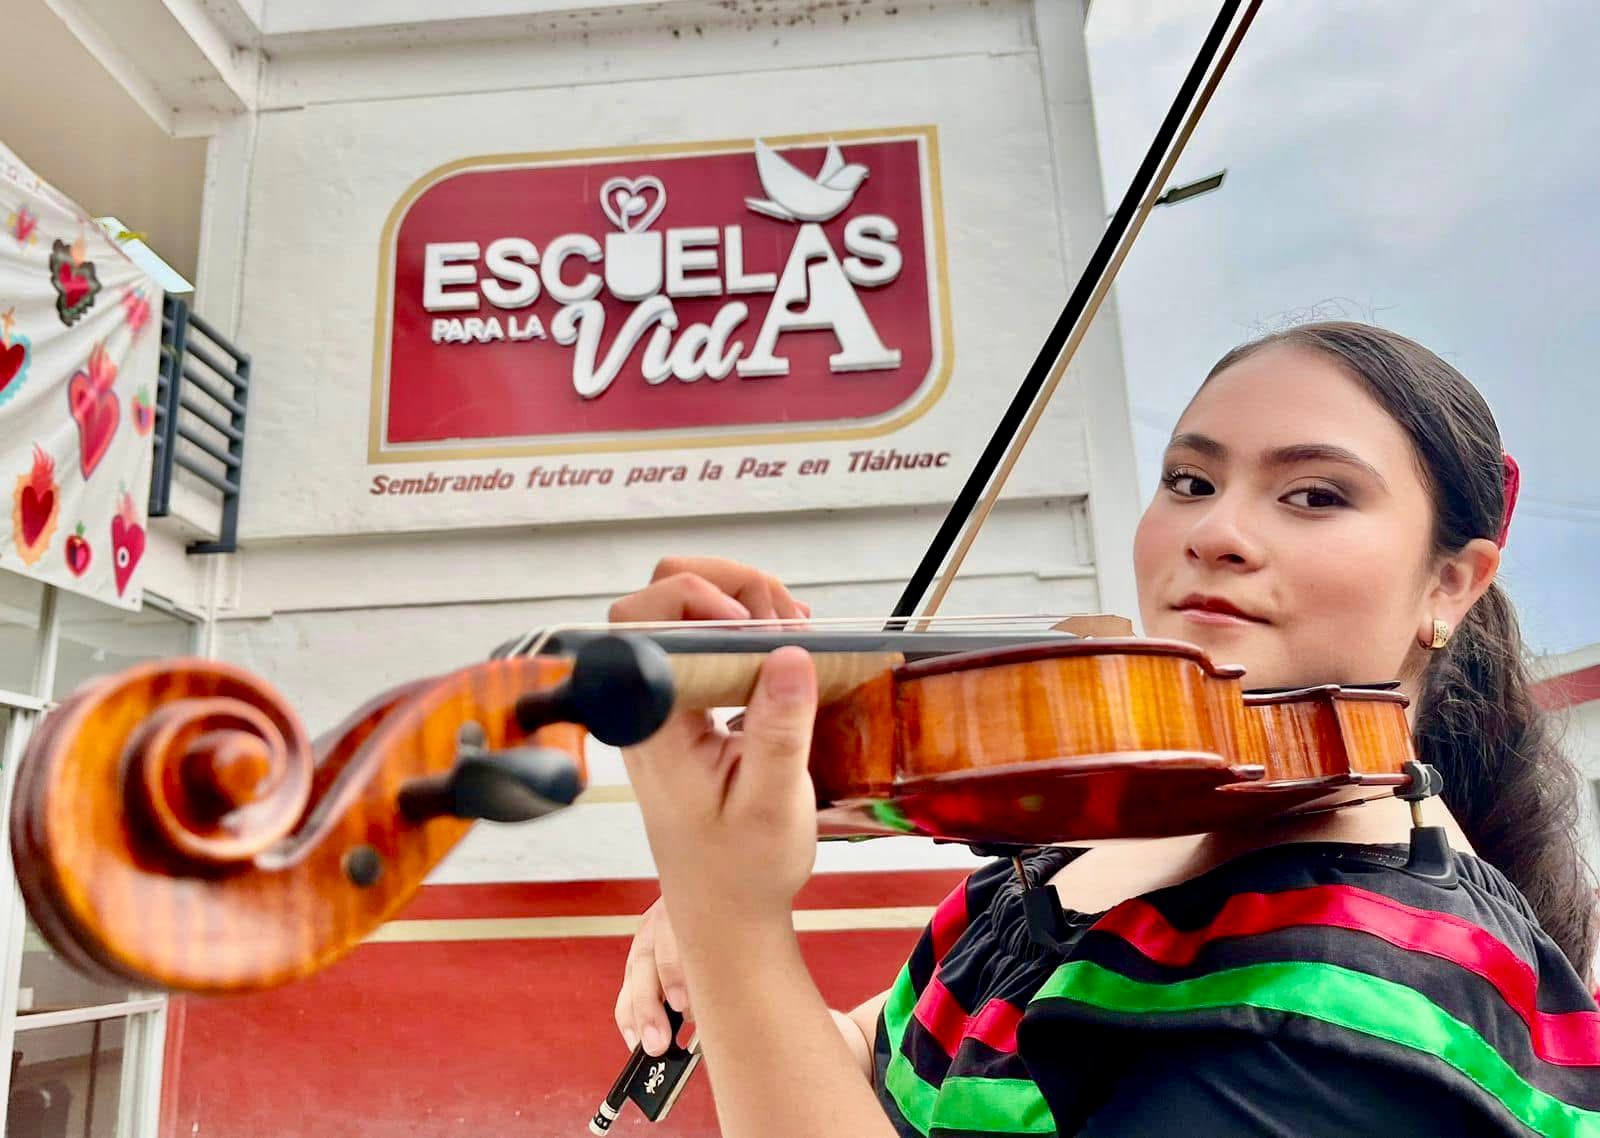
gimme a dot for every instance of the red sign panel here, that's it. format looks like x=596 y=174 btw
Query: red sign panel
x=732 y=292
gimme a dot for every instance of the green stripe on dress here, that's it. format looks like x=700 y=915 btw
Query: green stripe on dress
x=999 y=1106
x=1342 y=997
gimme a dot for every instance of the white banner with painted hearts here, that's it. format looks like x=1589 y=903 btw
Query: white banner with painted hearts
x=80 y=343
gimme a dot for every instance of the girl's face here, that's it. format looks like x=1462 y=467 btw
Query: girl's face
x=1292 y=532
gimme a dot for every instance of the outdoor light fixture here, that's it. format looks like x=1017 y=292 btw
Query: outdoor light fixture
x=1192 y=189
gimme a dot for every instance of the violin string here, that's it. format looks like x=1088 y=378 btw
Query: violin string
x=533 y=641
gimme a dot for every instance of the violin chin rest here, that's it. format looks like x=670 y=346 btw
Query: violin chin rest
x=1095 y=624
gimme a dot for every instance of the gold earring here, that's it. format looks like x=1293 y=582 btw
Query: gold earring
x=1441 y=634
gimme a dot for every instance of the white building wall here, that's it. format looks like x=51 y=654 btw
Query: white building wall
x=332 y=601
x=325 y=178
x=347 y=621
x=1580 y=733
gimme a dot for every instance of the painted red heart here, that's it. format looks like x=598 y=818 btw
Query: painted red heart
x=36 y=511
x=11 y=361
x=78 y=554
x=127 y=546
x=97 y=414
x=74 y=284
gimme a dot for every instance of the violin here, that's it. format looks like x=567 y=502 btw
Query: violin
x=173 y=826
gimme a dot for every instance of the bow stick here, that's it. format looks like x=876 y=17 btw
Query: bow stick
x=978 y=496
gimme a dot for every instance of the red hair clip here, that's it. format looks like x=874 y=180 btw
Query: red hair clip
x=1513 y=483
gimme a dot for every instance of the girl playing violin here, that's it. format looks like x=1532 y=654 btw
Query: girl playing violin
x=1332 y=507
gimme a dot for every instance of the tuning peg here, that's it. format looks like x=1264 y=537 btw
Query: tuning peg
x=505 y=786
x=620 y=691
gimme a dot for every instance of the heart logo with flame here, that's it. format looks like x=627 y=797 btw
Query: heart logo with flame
x=633 y=203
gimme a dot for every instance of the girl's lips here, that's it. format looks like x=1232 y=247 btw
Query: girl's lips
x=1211 y=617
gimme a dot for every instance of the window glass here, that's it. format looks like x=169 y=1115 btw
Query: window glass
x=20 y=600
x=97 y=640
x=67 y=1080
x=50 y=984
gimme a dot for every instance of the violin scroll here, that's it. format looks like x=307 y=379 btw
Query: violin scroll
x=219 y=779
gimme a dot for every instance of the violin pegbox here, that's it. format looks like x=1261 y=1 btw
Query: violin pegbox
x=621 y=691
x=173 y=825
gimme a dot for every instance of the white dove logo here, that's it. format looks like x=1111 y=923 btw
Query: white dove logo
x=796 y=196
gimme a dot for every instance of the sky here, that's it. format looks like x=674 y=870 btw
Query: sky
x=1427 y=167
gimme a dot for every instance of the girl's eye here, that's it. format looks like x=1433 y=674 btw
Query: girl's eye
x=1315 y=498
x=1187 y=484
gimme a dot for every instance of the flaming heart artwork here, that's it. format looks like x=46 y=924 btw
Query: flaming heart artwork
x=23 y=224
x=79 y=360
x=135 y=310
x=35 y=504
x=74 y=278
x=95 y=407
x=127 y=542
x=15 y=350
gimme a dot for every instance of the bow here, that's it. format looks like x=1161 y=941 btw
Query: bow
x=982 y=489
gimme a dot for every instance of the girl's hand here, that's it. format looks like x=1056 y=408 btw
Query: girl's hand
x=708 y=588
x=732 y=818
x=652 y=976
x=683 y=588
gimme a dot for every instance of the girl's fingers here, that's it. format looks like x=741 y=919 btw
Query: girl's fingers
x=654 y=1030
x=681 y=597
x=762 y=594
x=669 y=970
x=776 y=735
x=639 y=1013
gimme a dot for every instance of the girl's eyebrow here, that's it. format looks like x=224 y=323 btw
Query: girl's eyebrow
x=1280 y=456
x=1205 y=444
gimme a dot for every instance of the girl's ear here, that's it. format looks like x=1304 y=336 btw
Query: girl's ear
x=1458 y=581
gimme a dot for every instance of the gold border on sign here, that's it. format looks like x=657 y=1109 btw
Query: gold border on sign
x=376 y=454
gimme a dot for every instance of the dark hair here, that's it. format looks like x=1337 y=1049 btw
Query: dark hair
x=1505 y=779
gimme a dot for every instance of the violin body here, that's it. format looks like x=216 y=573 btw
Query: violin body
x=1093 y=739
x=173 y=826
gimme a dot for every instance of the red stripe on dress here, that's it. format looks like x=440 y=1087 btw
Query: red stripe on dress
x=1569 y=1039
x=949 y=921
x=943 y=1017
x=937 y=1009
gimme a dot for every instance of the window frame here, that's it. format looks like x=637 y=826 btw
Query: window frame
x=145 y=1014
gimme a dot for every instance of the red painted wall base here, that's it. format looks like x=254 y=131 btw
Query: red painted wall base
x=484 y=1038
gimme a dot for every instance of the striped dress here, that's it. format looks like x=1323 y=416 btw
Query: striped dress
x=1332 y=953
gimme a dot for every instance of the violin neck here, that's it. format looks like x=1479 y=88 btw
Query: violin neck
x=726 y=679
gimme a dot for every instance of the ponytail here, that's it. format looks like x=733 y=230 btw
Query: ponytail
x=1507 y=783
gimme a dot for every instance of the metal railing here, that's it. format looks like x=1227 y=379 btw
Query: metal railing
x=201 y=397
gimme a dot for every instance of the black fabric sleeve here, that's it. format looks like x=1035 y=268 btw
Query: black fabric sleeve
x=1221 y=1084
